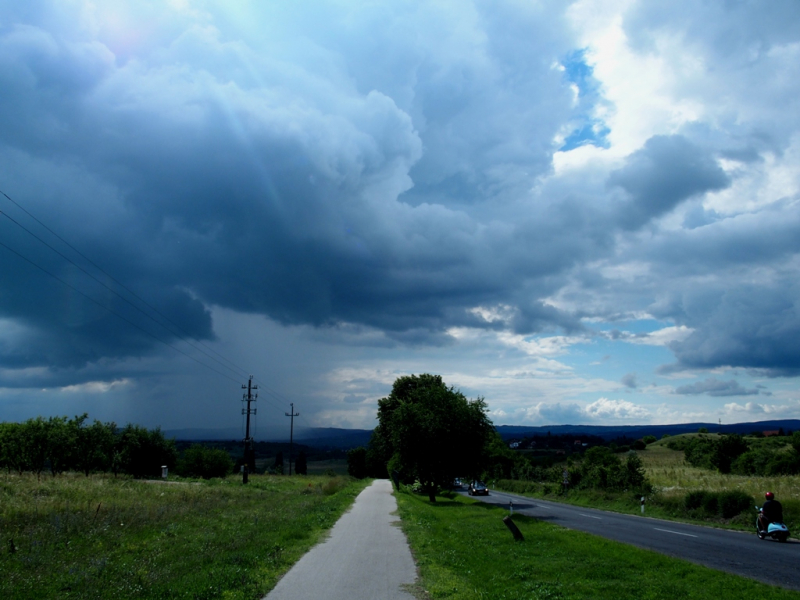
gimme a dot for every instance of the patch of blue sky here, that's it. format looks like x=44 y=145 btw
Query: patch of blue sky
x=634 y=326
x=617 y=359
x=590 y=134
x=587 y=130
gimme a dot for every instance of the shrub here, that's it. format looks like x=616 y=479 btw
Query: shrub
x=710 y=503
x=699 y=451
x=200 y=461
x=649 y=439
x=334 y=485
x=718 y=504
x=639 y=445
x=734 y=502
x=694 y=500
x=726 y=450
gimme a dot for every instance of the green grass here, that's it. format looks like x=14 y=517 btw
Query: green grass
x=463 y=550
x=104 y=538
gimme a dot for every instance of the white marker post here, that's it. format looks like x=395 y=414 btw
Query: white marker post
x=511 y=507
x=642 y=504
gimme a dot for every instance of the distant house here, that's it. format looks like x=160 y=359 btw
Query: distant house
x=771 y=432
x=514 y=445
x=577 y=443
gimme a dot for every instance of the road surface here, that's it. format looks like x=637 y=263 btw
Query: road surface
x=366 y=556
x=731 y=551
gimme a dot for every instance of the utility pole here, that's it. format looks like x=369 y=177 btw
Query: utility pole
x=248 y=397
x=291 y=433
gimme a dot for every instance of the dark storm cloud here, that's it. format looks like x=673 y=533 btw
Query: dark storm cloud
x=756 y=327
x=667 y=171
x=714 y=387
x=629 y=381
x=267 y=182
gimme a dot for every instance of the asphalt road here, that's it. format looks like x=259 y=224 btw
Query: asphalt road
x=735 y=552
x=366 y=556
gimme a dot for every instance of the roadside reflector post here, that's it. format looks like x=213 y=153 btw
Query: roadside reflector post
x=164 y=471
x=642 y=504
x=511 y=507
x=512 y=527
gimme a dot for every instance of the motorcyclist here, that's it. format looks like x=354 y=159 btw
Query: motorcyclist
x=771 y=512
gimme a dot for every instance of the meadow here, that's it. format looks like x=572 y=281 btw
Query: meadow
x=464 y=551
x=73 y=536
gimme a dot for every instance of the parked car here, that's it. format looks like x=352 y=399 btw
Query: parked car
x=478 y=488
x=457 y=483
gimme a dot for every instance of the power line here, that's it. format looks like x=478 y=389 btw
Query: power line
x=183 y=338
x=119 y=283
x=113 y=312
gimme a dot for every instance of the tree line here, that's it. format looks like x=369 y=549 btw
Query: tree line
x=60 y=444
x=733 y=453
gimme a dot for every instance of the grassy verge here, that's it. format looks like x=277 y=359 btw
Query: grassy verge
x=463 y=550
x=101 y=537
x=673 y=479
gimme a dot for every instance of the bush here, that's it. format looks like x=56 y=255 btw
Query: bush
x=200 y=461
x=639 y=445
x=694 y=500
x=602 y=469
x=734 y=502
x=711 y=504
x=649 y=439
x=718 y=504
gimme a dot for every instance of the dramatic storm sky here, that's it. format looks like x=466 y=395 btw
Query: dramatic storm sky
x=585 y=212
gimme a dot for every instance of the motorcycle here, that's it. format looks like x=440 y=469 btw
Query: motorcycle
x=776 y=531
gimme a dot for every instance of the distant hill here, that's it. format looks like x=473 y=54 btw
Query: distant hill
x=204 y=434
x=332 y=437
x=343 y=439
x=318 y=437
x=609 y=432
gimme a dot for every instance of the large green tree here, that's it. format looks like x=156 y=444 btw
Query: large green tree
x=431 y=432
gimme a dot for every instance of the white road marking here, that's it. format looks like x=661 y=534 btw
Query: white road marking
x=675 y=532
x=591 y=516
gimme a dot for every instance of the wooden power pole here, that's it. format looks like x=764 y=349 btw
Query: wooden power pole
x=248 y=397
x=291 y=433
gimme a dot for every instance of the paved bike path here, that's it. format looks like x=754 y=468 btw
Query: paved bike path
x=366 y=556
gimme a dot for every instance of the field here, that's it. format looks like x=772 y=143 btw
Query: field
x=667 y=470
x=337 y=466
x=101 y=537
x=464 y=551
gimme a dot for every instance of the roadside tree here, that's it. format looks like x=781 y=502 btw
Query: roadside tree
x=434 y=433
